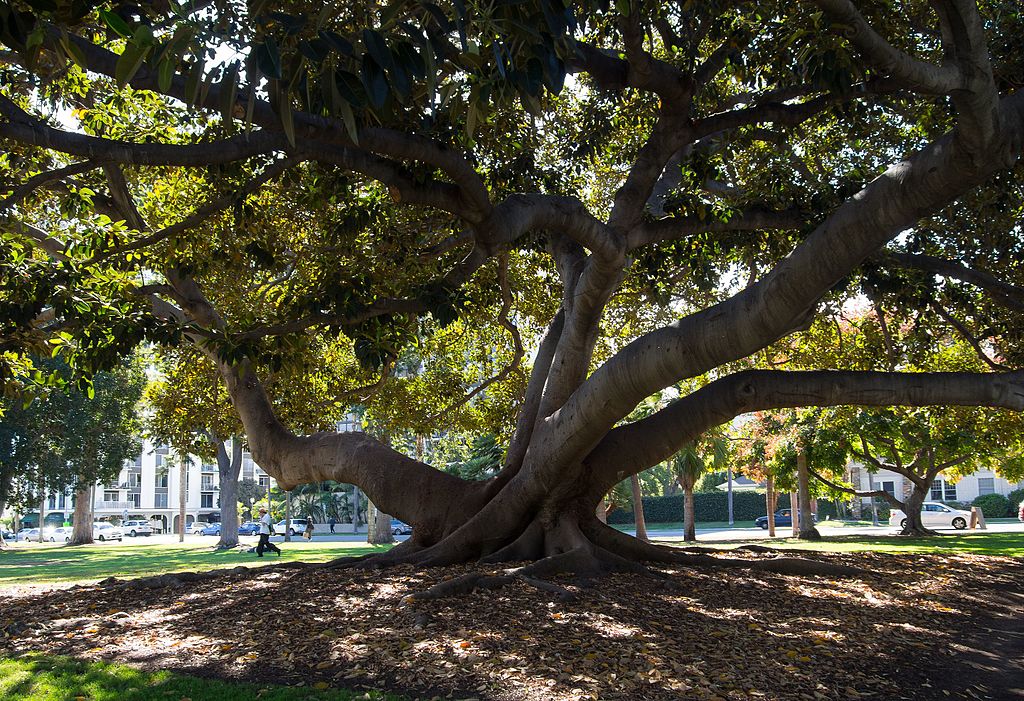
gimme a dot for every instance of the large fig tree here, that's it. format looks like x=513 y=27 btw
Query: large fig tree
x=628 y=196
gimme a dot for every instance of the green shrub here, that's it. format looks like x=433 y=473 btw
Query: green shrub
x=708 y=506
x=993 y=505
x=1015 y=497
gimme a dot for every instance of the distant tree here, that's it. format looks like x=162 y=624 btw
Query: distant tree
x=67 y=439
x=691 y=463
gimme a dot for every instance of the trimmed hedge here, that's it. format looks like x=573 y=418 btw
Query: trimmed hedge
x=746 y=506
x=993 y=505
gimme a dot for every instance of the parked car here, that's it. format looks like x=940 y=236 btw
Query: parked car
x=28 y=534
x=297 y=527
x=137 y=528
x=8 y=535
x=783 y=517
x=103 y=531
x=58 y=534
x=934 y=514
x=196 y=528
x=211 y=529
x=249 y=528
x=400 y=527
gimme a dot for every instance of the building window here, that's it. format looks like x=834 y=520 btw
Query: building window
x=206 y=500
x=889 y=487
x=264 y=481
x=207 y=483
x=161 y=501
x=134 y=479
x=137 y=500
x=936 y=490
x=950 y=490
x=111 y=495
x=53 y=502
x=161 y=480
x=207 y=467
x=986 y=485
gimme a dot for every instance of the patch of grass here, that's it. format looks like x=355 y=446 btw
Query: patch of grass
x=35 y=677
x=65 y=563
x=1003 y=544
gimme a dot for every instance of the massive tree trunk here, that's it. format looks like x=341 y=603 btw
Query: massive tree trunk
x=638 y=507
x=807 y=528
x=81 y=533
x=912 y=508
x=228 y=467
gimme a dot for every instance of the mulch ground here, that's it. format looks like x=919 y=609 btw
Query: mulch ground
x=914 y=627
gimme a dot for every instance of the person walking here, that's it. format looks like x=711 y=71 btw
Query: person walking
x=265 y=543
x=332 y=521
x=308 y=534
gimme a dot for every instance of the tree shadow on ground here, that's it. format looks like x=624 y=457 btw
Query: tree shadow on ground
x=692 y=633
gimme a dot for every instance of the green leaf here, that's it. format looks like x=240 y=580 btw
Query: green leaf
x=350 y=121
x=193 y=83
x=268 y=58
x=374 y=81
x=378 y=48
x=114 y=21
x=164 y=75
x=128 y=63
x=72 y=49
x=228 y=95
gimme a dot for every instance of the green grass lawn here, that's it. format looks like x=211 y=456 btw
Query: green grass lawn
x=63 y=563
x=1006 y=544
x=44 y=678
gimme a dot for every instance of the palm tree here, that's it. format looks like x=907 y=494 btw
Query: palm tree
x=689 y=464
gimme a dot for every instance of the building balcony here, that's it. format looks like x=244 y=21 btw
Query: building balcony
x=114 y=505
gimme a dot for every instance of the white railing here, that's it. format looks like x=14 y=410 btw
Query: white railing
x=114 y=505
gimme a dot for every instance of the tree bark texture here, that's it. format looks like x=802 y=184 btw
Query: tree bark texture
x=807 y=528
x=689 y=514
x=182 y=494
x=228 y=467
x=379 y=528
x=638 y=507
x=42 y=512
x=770 y=500
x=81 y=533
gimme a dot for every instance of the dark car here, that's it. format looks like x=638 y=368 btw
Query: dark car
x=400 y=527
x=212 y=529
x=783 y=517
x=249 y=528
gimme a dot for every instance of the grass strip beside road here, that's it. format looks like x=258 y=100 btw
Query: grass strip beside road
x=37 y=677
x=69 y=564
x=999 y=544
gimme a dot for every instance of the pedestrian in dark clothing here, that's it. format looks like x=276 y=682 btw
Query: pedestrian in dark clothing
x=331 y=523
x=265 y=543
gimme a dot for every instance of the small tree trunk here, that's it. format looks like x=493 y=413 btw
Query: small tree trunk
x=807 y=529
x=689 y=514
x=770 y=499
x=912 y=509
x=638 y=507
x=182 y=495
x=82 y=531
x=229 y=467
x=794 y=513
x=288 y=517
x=42 y=509
x=378 y=531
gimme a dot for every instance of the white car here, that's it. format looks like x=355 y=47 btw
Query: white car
x=28 y=534
x=136 y=528
x=935 y=515
x=196 y=527
x=298 y=527
x=104 y=531
x=62 y=533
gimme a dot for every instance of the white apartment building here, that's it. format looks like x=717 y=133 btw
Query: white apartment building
x=964 y=490
x=149 y=488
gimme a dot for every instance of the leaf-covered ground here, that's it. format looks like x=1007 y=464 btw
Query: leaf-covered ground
x=915 y=627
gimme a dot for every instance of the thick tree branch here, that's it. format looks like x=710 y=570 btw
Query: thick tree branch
x=1009 y=295
x=893 y=501
x=754 y=219
x=647 y=442
x=913 y=73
